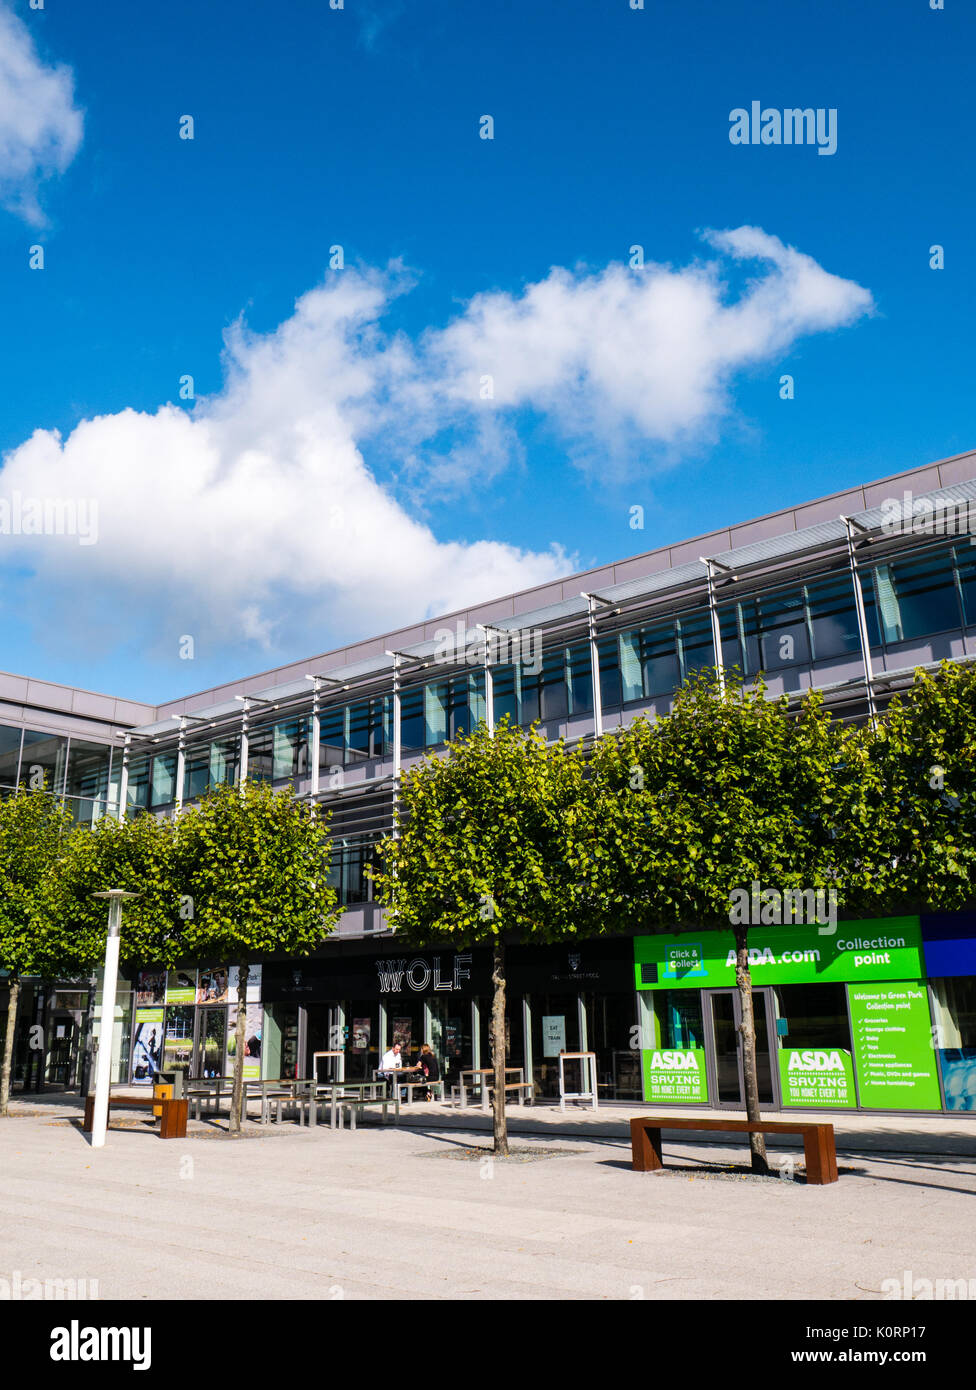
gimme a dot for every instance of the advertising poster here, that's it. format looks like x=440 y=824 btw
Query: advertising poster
x=888 y=948
x=147 y=1045
x=212 y=986
x=452 y=1037
x=403 y=1033
x=811 y=1077
x=181 y=987
x=959 y=1077
x=253 y=984
x=676 y=1075
x=178 y=1047
x=893 y=1051
x=361 y=1028
x=150 y=988
x=553 y=1034
x=252 y=1041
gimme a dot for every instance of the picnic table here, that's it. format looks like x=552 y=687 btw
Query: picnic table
x=486 y=1087
x=306 y=1096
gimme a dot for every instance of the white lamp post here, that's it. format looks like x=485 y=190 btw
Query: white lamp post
x=103 y=1069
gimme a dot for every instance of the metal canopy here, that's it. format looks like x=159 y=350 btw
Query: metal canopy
x=874 y=522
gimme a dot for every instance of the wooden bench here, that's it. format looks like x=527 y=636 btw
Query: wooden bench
x=172 y=1124
x=818 y=1141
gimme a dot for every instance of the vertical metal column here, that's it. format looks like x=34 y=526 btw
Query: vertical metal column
x=313 y=770
x=124 y=779
x=716 y=626
x=180 y=766
x=591 y=603
x=489 y=683
x=242 y=761
x=397 y=751
x=862 y=621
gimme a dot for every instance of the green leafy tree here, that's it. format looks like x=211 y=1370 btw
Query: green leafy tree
x=726 y=790
x=253 y=866
x=907 y=829
x=32 y=828
x=135 y=855
x=498 y=840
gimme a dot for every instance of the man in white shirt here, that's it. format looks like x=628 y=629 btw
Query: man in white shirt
x=390 y=1064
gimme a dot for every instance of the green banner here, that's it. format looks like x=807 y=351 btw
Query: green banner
x=889 y=948
x=811 y=1077
x=675 y=1074
x=181 y=987
x=893 y=1048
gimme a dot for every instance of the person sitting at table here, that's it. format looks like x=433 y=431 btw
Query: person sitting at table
x=429 y=1065
x=390 y=1064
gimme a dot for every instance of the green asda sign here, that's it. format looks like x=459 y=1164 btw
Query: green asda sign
x=896 y=1058
x=676 y=1074
x=813 y=1076
x=888 y=948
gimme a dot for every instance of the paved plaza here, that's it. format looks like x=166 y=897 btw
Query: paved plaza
x=388 y=1213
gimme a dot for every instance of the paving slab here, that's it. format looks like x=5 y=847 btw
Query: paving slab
x=379 y=1214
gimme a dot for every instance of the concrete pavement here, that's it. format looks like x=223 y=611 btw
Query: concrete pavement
x=383 y=1214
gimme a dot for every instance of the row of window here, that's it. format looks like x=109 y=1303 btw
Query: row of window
x=69 y=767
x=800 y=624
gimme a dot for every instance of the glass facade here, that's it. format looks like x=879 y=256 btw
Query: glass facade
x=79 y=770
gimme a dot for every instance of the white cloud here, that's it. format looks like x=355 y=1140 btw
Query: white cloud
x=623 y=356
x=255 y=518
x=40 y=126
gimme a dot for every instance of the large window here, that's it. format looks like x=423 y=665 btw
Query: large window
x=88 y=769
x=162 y=786
x=775 y=631
x=9 y=755
x=347 y=871
x=43 y=761
x=917 y=597
x=137 y=796
x=833 y=617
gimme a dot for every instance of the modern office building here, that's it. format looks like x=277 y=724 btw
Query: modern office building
x=849 y=593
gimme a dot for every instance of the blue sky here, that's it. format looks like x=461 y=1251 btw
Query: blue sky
x=339 y=471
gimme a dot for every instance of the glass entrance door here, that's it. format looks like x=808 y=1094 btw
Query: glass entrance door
x=723 y=1017
x=211 y=1049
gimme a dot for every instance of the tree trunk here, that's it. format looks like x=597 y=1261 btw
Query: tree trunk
x=498 y=1057
x=747 y=1029
x=8 y=1045
x=240 y=1035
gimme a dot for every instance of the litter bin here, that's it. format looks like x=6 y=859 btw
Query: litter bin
x=167 y=1085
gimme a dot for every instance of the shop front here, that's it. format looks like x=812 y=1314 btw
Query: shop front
x=574 y=999
x=849 y=1019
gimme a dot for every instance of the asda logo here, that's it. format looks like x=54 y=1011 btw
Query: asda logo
x=815 y=1060
x=673 y=1061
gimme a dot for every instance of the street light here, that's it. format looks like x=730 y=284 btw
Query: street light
x=103 y=1068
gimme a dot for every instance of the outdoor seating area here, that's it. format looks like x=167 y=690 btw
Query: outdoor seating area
x=308 y=1102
